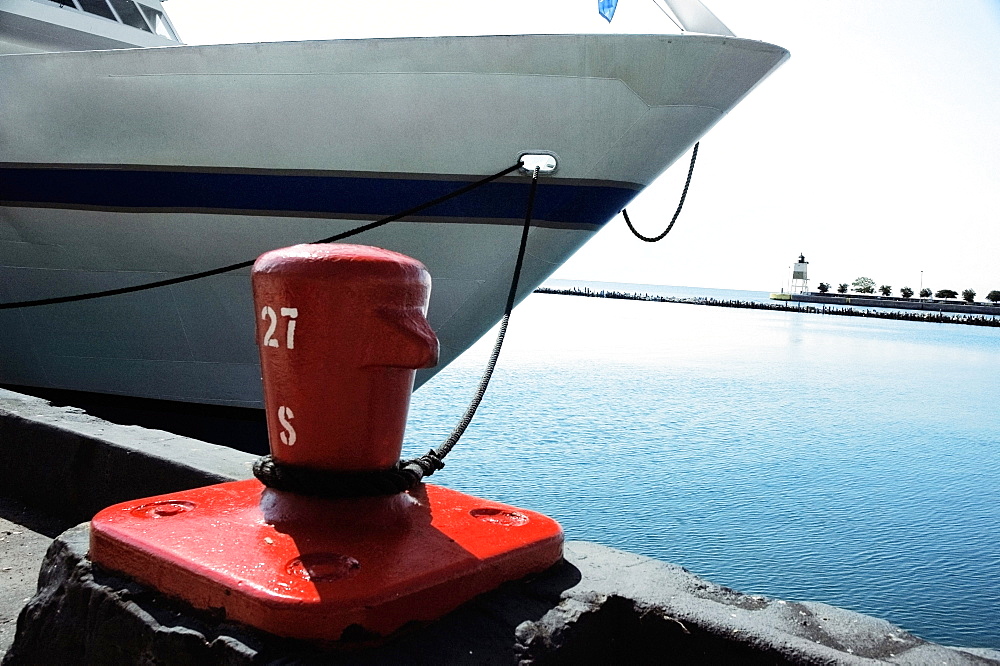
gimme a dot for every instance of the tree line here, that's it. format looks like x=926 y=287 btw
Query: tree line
x=866 y=285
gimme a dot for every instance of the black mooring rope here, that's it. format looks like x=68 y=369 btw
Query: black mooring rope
x=406 y=473
x=687 y=184
x=445 y=448
x=245 y=264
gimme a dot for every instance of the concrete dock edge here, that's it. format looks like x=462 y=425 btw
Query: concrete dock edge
x=63 y=461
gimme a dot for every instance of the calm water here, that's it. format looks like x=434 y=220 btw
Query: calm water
x=809 y=457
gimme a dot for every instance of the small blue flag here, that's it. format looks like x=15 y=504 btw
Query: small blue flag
x=607 y=8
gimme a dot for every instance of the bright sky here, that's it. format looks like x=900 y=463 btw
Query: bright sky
x=874 y=151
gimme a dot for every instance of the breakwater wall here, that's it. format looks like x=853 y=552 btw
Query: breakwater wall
x=839 y=310
x=899 y=303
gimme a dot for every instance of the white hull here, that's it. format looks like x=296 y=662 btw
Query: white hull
x=121 y=167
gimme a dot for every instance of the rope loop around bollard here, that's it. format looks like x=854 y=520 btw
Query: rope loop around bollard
x=308 y=481
x=405 y=474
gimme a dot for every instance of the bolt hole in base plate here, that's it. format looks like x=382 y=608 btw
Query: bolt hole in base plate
x=163 y=509
x=322 y=568
x=500 y=517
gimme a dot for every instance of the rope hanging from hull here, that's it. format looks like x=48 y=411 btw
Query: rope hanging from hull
x=680 y=205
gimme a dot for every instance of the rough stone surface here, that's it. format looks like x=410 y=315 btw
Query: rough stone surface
x=25 y=534
x=64 y=462
x=599 y=606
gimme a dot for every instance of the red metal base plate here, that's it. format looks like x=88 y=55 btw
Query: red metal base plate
x=310 y=568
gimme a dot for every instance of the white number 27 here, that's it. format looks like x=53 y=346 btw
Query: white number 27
x=267 y=313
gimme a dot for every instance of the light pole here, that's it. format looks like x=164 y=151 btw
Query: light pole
x=921 y=284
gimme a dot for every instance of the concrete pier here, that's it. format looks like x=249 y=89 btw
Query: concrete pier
x=872 y=301
x=598 y=606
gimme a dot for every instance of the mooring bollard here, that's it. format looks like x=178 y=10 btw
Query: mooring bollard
x=341 y=330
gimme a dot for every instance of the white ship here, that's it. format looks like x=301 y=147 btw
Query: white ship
x=120 y=167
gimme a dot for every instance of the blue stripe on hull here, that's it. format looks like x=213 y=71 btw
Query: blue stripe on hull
x=361 y=197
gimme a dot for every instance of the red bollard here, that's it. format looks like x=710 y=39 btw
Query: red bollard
x=341 y=330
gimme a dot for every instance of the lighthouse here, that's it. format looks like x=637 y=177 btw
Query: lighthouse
x=800 y=276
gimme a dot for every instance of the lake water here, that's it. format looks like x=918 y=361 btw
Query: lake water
x=838 y=459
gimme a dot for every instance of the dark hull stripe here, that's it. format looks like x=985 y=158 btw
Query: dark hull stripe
x=559 y=204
